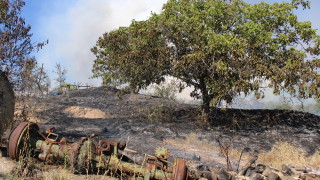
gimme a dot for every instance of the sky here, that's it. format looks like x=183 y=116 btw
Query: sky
x=73 y=27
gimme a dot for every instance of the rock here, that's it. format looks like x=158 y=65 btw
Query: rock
x=267 y=171
x=288 y=178
x=256 y=176
x=248 y=172
x=289 y=170
x=273 y=176
x=304 y=169
x=310 y=177
x=214 y=176
x=196 y=157
x=260 y=168
x=242 y=178
x=224 y=175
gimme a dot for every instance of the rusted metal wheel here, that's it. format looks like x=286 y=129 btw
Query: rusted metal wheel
x=180 y=169
x=20 y=139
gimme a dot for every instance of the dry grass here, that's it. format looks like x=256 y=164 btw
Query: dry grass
x=64 y=174
x=286 y=153
x=57 y=174
x=192 y=145
x=6 y=165
x=191 y=142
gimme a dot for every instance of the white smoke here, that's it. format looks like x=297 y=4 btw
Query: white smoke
x=73 y=32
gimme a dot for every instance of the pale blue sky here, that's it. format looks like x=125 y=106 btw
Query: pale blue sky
x=73 y=27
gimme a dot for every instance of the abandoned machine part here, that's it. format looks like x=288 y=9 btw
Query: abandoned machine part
x=162 y=153
x=26 y=140
x=6 y=103
x=20 y=139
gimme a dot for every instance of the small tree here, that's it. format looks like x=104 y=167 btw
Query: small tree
x=61 y=74
x=222 y=48
x=33 y=77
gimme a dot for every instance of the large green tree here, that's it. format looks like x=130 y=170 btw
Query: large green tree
x=222 y=48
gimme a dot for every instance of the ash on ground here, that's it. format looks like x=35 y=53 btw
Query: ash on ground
x=147 y=122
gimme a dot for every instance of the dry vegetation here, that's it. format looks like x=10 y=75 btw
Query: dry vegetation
x=281 y=153
x=205 y=149
x=284 y=152
x=63 y=174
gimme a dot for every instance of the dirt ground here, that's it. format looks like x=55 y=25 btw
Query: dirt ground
x=147 y=122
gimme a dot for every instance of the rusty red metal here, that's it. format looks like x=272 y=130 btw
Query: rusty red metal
x=180 y=171
x=89 y=155
x=15 y=138
x=104 y=145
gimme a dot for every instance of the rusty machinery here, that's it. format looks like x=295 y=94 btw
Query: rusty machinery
x=88 y=155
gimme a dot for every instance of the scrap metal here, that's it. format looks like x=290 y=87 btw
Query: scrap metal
x=88 y=155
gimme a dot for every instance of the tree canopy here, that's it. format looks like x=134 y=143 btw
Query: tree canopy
x=15 y=39
x=221 y=48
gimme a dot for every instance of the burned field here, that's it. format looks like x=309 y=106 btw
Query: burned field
x=145 y=122
x=147 y=119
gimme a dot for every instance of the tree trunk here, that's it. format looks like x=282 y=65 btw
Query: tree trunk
x=205 y=105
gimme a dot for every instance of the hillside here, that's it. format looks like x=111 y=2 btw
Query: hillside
x=147 y=122
x=152 y=121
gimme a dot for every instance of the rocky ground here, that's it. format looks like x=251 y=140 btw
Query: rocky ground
x=147 y=122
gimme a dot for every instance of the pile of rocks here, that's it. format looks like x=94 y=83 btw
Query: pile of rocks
x=260 y=172
x=287 y=172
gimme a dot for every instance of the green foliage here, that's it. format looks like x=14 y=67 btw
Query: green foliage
x=159 y=113
x=221 y=48
x=166 y=90
x=61 y=74
x=137 y=54
x=121 y=92
x=283 y=106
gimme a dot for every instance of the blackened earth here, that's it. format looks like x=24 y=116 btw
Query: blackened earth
x=148 y=121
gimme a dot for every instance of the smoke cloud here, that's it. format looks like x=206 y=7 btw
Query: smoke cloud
x=74 y=31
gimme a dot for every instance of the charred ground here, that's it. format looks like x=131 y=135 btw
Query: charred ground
x=152 y=121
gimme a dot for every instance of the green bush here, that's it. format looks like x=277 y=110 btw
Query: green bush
x=284 y=107
x=159 y=113
x=166 y=90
